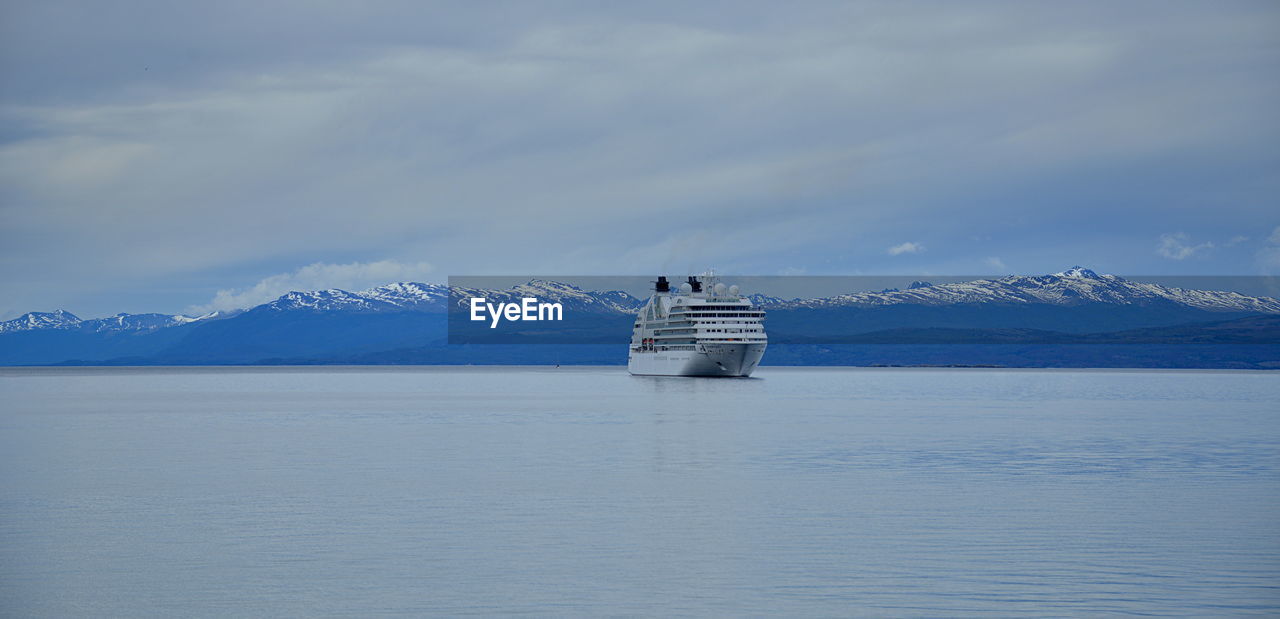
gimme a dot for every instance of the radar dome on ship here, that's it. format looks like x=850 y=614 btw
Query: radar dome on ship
x=733 y=290
x=720 y=290
x=686 y=287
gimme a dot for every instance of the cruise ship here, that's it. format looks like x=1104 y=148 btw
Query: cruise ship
x=703 y=328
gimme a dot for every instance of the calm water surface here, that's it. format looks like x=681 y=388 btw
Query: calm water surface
x=806 y=492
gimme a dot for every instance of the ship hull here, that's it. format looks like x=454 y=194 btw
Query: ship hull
x=726 y=360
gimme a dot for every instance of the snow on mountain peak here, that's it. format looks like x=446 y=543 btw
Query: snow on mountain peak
x=575 y=297
x=323 y=300
x=134 y=322
x=57 y=319
x=1075 y=286
x=62 y=319
x=413 y=296
x=407 y=290
x=547 y=285
x=410 y=295
x=1078 y=272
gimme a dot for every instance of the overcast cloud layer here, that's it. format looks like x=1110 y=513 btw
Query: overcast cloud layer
x=158 y=157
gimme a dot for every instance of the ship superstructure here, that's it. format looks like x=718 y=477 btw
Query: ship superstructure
x=702 y=328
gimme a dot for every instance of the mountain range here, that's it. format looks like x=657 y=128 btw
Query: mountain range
x=1074 y=287
x=409 y=322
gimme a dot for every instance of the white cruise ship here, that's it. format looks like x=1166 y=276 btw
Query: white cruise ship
x=694 y=331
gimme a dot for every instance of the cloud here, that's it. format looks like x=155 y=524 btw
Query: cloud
x=204 y=144
x=1236 y=240
x=318 y=276
x=996 y=263
x=1267 y=258
x=905 y=248
x=1177 y=246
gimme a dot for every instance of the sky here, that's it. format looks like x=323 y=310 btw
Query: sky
x=189 y=157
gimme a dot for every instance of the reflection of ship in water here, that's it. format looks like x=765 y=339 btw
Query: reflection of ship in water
x=703 y=328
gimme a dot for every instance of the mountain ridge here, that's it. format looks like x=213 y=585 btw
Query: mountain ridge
x=415 y=322
x=1075 y=286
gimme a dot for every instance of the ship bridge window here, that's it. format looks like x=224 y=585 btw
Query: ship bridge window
x=725 y=315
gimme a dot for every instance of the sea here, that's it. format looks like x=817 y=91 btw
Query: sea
x=584 y=491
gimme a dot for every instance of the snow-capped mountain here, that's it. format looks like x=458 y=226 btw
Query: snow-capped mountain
x=572 y=297
x=332 y=300
x=766 y=301
x=410 y=295
x=32 y=321
x=1075 y=286
x=64 y=320
x=408 y=322
x=397 y=297
x=135 y=322
x=414 y=296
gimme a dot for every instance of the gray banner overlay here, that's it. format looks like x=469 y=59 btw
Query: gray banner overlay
x=1076 y=307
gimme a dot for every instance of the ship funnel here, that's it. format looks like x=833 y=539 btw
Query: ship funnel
x=662 y=285
x=694 y=284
